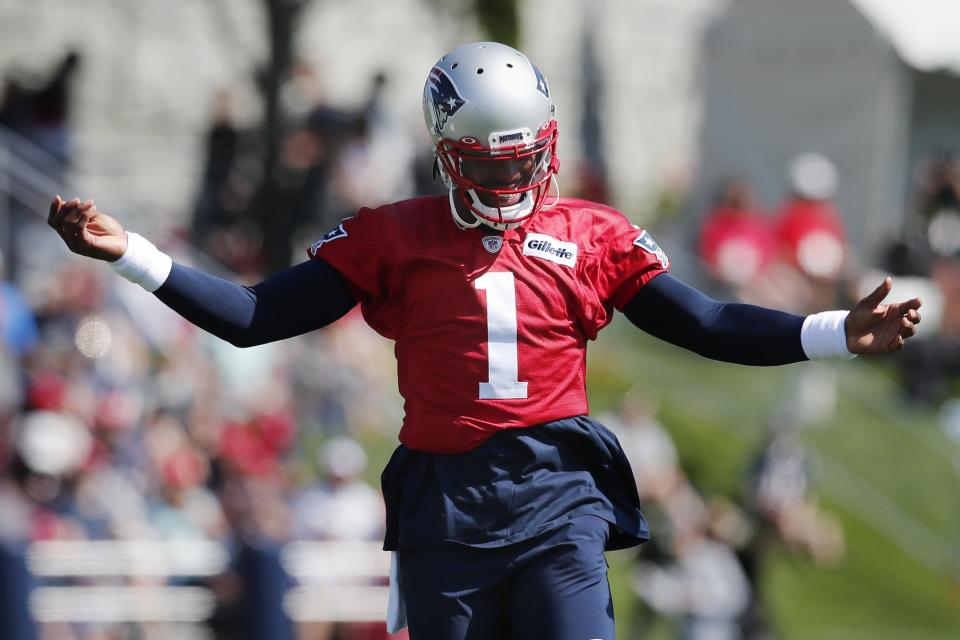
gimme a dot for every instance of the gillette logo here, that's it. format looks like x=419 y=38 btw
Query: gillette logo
x=543 y=246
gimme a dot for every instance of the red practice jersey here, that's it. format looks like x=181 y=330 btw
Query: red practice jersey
x=491 y=328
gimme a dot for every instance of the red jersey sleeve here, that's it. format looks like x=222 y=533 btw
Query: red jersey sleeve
x=628 y=259
x=360 y=251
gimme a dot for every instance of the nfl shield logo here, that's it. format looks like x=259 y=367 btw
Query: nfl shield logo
x=492 y=243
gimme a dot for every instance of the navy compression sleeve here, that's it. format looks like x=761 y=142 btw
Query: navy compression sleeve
x=745 y=334
x=302 y=298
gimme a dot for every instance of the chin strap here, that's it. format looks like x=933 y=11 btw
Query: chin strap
x=523 y=208
x=499 y=226
x=476 y=222
x=463 y=224
x=556 y=185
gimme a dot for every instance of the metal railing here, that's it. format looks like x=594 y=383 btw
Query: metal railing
x=113 y=581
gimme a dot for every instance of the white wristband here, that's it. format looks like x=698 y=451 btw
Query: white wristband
x=142 y=263
x=824 y=337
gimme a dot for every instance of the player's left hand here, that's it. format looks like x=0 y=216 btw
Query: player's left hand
x=874 y=327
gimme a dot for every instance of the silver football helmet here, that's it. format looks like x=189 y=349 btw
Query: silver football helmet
x=489 y=111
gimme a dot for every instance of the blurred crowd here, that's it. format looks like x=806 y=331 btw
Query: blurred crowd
x=705 y=574
x=928 y=249
x=702 y=573
x=330 y=162
x=797 y=258
x=120 y=421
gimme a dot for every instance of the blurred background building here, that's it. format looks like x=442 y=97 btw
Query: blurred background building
x=156 y=482
x=864 y=82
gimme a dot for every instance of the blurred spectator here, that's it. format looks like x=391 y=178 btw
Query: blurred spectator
x=18 y=327
x=779 y=492
x=654 y=460
x=928 y=252
x=40 y=113
x=811 y=252
x=319 y=132
x=15 y=107
x=340 y=404
x=784 y=511
x=690 y=571
x=222 y=225
x=51 y=103
x=340 y=506
x=218 y=204
x=930 y=227
x=939 y=210
x=809 y=230
x=938 y=204
x=736 y=241
x=375 y=163
x=928 y=373
x=11 y=398
x=704 y=587
x=650 y=449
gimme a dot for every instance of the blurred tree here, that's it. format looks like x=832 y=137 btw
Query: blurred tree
x=499 y=20
x=275 y=223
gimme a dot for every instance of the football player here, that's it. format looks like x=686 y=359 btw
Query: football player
x=503 y=494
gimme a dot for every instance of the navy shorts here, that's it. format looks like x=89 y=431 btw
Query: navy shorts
x=550 y=586
x=519 y=484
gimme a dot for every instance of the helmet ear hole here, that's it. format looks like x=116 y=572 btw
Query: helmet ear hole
x=480 y=71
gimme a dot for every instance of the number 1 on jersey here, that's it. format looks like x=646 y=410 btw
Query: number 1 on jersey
x=502 y=359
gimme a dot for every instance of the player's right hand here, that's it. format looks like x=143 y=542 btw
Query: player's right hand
x=87 y=231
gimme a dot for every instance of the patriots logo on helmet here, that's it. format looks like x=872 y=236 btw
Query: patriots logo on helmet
x=445 y=97
x=541 y=82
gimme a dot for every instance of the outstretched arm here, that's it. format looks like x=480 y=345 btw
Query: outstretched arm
x=300 y=299
x=747 y=334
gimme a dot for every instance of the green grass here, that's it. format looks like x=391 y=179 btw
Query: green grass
x=886 y=474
